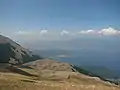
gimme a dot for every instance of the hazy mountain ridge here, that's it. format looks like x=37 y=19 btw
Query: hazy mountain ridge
x=11 y=52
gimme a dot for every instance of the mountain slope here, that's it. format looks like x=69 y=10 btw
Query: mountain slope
x=51 y=75
x=13 y=53
x=53 y=65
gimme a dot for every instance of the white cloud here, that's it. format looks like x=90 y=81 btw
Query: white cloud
x=105 y=31
x=35 y=35
x=109 y=31
x=22 y=33
x=64 y=32
x=28 y=37
x=43 y=32
x=87 y=32
x=31 y=33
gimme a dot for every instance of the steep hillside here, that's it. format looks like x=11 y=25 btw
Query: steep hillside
x=11 y=52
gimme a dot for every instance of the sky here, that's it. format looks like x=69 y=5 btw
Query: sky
x=55 y=20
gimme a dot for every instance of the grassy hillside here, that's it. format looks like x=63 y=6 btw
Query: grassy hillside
x=51 y=80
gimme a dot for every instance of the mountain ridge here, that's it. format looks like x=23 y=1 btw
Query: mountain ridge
x=14 y=53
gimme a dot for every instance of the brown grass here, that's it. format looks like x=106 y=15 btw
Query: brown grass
x=49 y=81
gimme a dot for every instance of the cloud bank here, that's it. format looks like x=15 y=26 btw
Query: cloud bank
x=109 y=31
x=58 y=35
x=51 y=38
x=106 y=31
